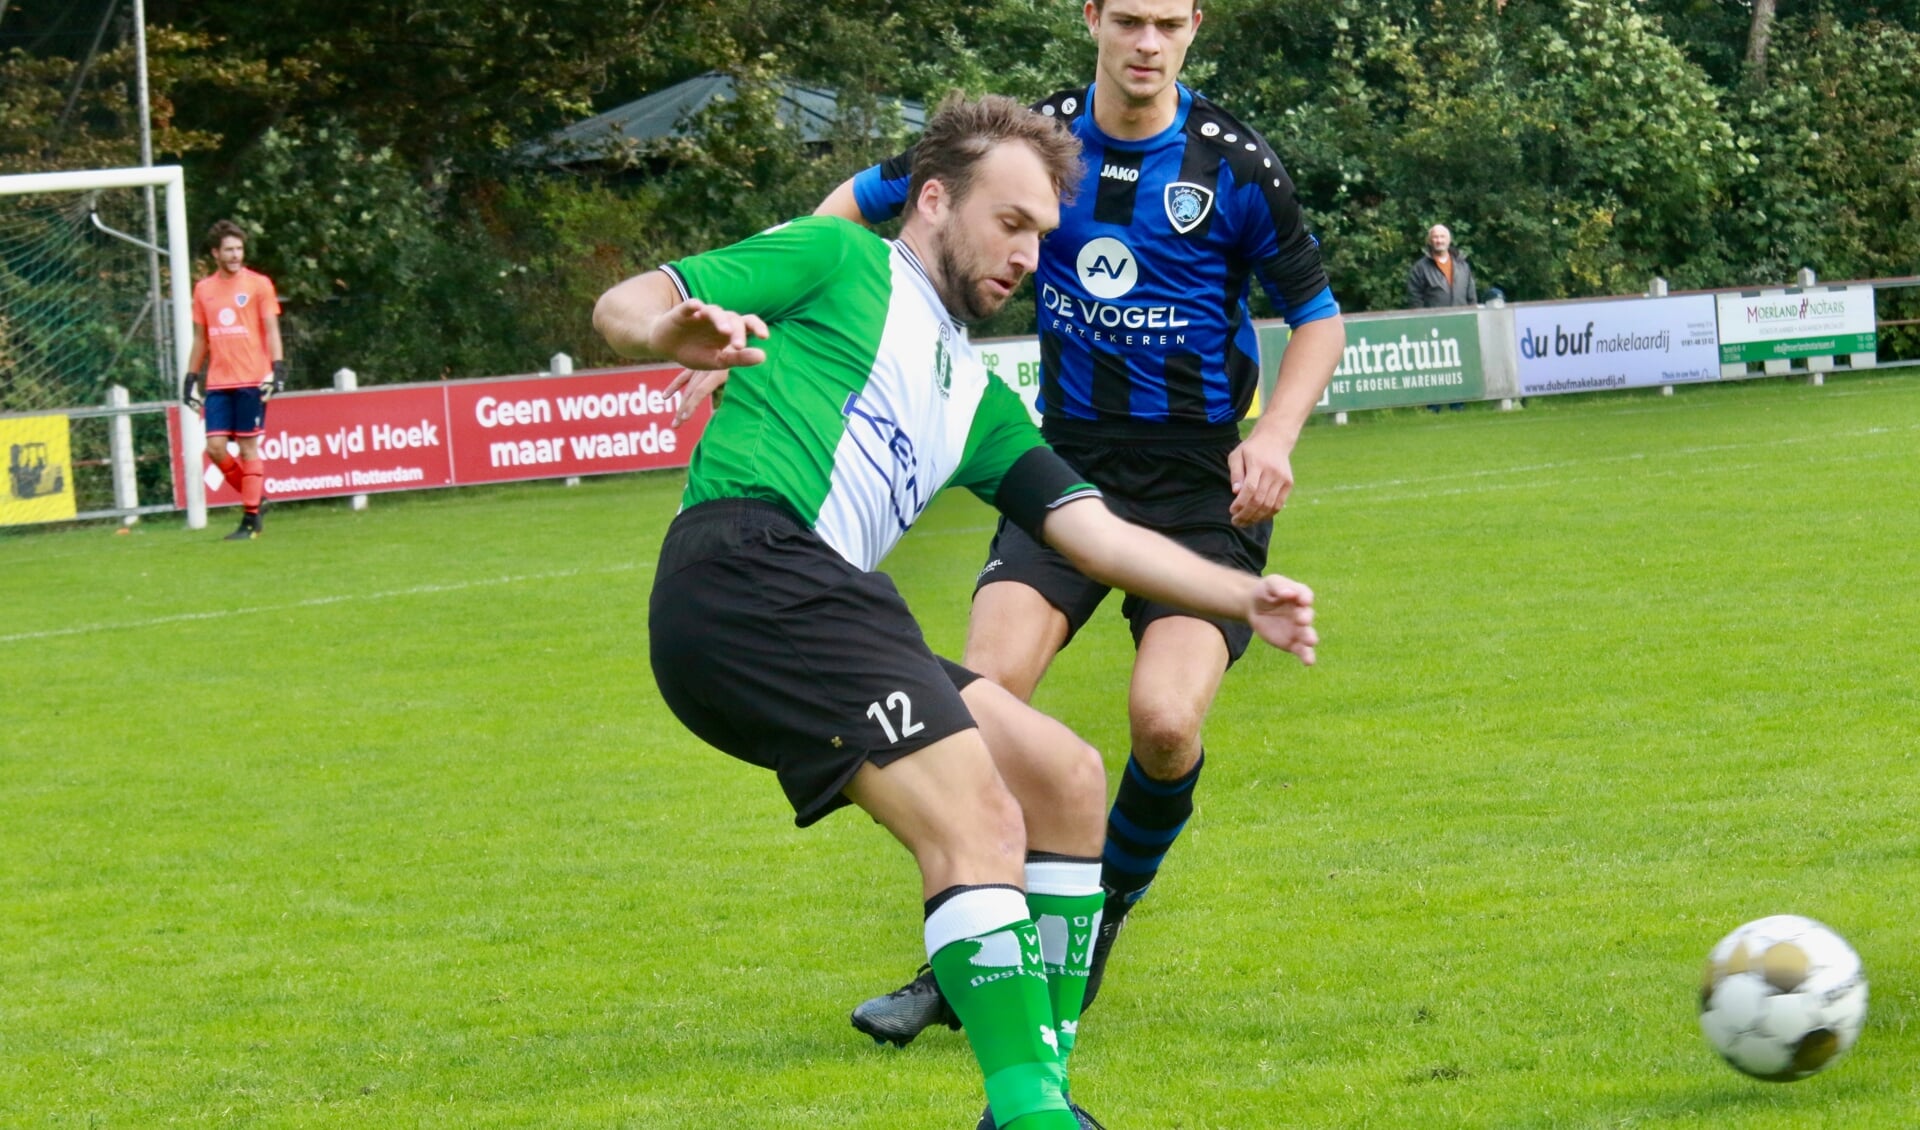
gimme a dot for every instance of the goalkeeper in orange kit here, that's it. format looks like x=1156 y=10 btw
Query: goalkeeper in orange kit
x=236 y=366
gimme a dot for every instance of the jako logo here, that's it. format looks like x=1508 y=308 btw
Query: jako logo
x=1107 y=268
x=1561 y=344
x=1120 y=172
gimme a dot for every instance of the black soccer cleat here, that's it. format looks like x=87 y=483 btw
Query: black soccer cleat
x=899 y=1016
x=249 y=528
x=1087 y=1121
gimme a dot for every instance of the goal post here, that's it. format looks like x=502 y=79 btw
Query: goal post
x=180 y=284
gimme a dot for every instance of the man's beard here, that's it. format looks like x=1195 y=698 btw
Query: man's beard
x=959 y=284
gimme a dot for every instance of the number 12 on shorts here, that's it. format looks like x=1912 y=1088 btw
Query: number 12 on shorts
x=899 y=701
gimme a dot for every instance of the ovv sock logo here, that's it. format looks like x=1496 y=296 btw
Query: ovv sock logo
x=1011 y=948
x=997 y=951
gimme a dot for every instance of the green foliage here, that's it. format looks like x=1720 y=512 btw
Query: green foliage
x=1634 y=143
x=347 y=234
x=739 y=170
x=34 y=135
x=565 y=240
x=1021 y=48
x=1570 y=157
x=1836 y=138
x=331 y=207
x=57 y=113
x=1576 y=147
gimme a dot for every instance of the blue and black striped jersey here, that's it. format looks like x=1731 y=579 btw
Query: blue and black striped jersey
x=1142 y=292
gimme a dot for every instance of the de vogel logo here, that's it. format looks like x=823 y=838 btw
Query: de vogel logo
x=1559 y=344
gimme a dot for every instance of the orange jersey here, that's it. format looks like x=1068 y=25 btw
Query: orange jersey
x=233 y=311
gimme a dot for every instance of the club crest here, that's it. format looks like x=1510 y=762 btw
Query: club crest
x=1187 y=205
x=943 y=360
x=240 y=299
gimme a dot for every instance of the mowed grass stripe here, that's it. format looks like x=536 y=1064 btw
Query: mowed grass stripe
x=444 y=859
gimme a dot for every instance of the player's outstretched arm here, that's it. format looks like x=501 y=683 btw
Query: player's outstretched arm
x=1129 y=557
x=645 y=317
x=840 y=202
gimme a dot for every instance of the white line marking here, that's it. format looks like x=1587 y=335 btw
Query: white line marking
x=317 y=602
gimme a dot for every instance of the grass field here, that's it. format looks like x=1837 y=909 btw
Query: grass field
x=379 y=822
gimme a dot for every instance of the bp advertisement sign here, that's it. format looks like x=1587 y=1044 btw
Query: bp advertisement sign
x=1393 y=362
x=1784 y=325
x=39 y=482
x=1016 y=361
x=1588 y=346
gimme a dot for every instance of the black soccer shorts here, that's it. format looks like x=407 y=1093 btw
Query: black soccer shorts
x=770 y=646
x=1183 y=492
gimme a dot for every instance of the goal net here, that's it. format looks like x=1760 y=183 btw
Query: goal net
x=89 y=300
x=77 y=310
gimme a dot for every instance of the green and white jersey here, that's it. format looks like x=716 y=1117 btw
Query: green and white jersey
x=871 y=399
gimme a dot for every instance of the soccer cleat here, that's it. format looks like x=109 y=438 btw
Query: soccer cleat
x=899 y=1016
x=249 y=528
x=1087 y=1121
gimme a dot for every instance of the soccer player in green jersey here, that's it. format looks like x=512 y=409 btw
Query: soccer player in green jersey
x=855 y=397
x=1149 y=362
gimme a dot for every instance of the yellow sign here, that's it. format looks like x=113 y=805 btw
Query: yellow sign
x=39 y=470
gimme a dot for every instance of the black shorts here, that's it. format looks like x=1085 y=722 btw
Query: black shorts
x=773 y=648
x=237 y=412
x=1183 y=492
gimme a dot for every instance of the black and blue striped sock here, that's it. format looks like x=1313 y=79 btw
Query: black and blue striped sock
x=1147 y=817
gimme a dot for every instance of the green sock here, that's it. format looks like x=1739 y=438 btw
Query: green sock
x=985 y=954
x=1064 y=896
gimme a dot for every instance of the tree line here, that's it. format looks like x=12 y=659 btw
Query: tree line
x=1575 y=147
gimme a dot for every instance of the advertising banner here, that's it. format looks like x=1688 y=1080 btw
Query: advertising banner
x=1016 y=361
x=39 y=483
x=591 y=424
x=1393 y=362
x=1783 y=325
x=1639 y=343
x=410 y=437
x=326 y=444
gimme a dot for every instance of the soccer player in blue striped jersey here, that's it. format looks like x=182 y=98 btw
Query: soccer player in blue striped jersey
x=1149 y=364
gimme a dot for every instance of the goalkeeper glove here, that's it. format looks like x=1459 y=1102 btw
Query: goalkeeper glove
x=190 y=391
x=276 y=384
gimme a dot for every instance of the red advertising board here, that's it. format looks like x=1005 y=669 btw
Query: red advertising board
x=590 y=424
x=410 y=437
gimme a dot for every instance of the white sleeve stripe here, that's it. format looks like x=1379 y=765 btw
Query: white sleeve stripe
x=1072 y=496
x=679 y=283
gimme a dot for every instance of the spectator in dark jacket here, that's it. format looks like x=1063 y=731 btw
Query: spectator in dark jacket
x=1441 y=277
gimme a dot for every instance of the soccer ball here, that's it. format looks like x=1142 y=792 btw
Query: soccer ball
x=1783 y=998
